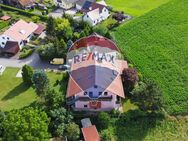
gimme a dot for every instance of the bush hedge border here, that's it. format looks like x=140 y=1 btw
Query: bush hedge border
x=23 y=12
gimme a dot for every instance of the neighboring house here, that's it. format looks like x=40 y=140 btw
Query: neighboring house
x=24 y=4
x=65 y=4
x=94 y=12
x=95 y=75
x=17 y=35
x=80 y=3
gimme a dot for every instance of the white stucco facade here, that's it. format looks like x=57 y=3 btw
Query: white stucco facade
x=94 y=17
x=4 y=39
x=106 y=105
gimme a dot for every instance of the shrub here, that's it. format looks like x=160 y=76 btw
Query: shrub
x=72 y=131
x=101 y=30
x=103 y=120
x=35 y=19
x=25 y=53
x=108 y=135
x=27 y=73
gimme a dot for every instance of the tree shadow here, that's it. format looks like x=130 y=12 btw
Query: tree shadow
x=134 y=126
x=16 y=91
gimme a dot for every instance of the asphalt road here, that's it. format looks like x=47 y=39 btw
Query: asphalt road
x=32 y=60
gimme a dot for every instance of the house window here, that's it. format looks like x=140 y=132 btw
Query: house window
x=105 y=93
x=95 y=86
x=85 y=106
x=3 y=37
x=85 y=93
x=3 y=43
x=90 y=94
x=8 y=38
x=100 y=93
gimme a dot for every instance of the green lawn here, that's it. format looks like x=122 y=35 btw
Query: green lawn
x=157 y=43
x=3 y=24
x=14 y=94
x=135 y=7
x=146 y=129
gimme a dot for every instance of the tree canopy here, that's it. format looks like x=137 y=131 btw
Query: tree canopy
x=26 y=125
x=147 y=96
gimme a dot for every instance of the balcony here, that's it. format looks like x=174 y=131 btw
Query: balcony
x=102 y=98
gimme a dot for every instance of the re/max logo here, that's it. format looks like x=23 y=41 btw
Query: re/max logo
x=94 y=56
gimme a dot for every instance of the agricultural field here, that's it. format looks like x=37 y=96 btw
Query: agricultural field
x=157 y=44
x=14 y=94
x=135 y=7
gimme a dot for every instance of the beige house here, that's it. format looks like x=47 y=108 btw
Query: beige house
x=65 y=4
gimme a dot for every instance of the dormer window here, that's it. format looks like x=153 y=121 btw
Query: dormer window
x=105 y=93
x=85 y=93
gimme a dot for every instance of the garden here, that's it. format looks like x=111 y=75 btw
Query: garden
x=14 y=94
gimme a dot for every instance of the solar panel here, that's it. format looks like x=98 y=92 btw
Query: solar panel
x=87 y=5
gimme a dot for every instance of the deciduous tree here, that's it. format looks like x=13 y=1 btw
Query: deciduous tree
x=41 y=82
x=27 y=74
x=147 y=96
x=26 y=125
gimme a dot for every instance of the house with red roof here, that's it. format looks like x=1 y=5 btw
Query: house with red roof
x=95 y=75
x=24 y=4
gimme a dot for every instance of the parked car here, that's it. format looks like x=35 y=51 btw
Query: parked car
x=63 y=67
x=57 y=61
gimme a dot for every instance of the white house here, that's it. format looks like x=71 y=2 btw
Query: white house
x=65 y=4
x=95 y=75
x=95 y=13
x=20 y=32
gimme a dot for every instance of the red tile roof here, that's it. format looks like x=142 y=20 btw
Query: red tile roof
x=90 y=133
x=11 y=47
x=94 y=40
x=5 y=18
x=40 y=29
x=21 y=30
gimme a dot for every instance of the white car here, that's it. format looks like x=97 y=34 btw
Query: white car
x=2 y=68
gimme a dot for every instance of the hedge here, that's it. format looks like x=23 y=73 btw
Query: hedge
x=23 y=12
x=26 y=53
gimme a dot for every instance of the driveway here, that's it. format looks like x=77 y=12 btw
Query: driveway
x=32 y=60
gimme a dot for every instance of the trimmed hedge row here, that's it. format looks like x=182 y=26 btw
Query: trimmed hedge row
x=23 y=12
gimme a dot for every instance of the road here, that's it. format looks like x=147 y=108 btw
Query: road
x=32 y=60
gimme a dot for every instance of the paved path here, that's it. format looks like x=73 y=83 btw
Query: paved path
x=32 y=60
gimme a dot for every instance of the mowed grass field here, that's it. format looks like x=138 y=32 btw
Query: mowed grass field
x=157 y=43
x=14 y=94
x=135 y=7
